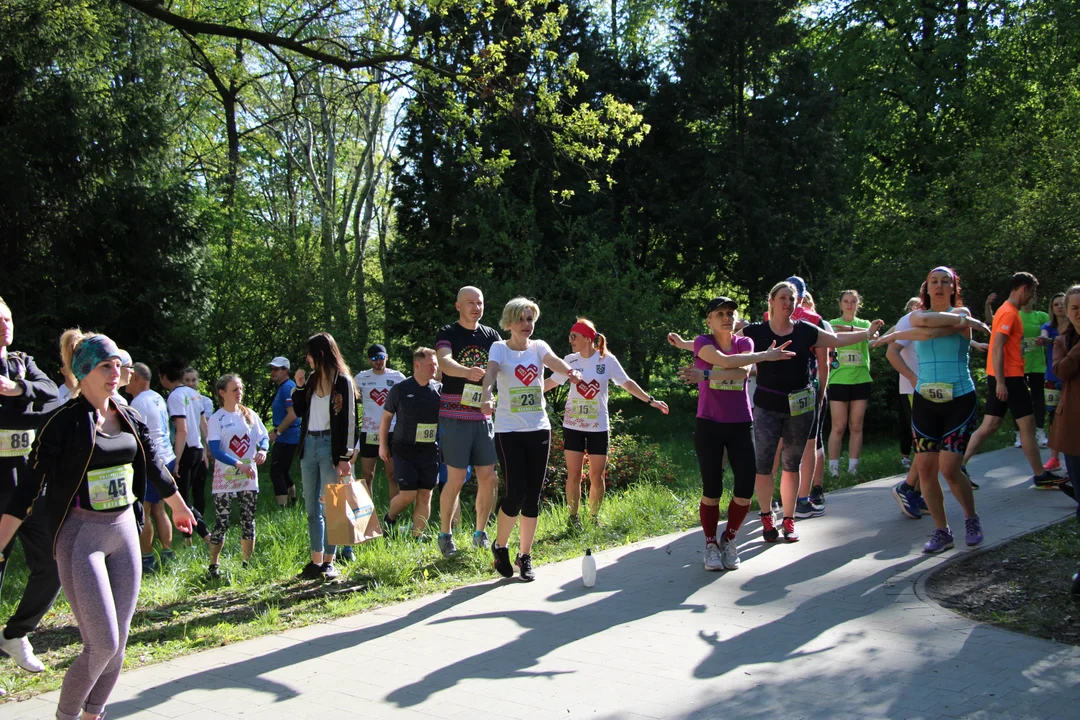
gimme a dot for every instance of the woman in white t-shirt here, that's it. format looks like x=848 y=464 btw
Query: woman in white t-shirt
x=586 y=420
x=238 y=441
x=522 y=428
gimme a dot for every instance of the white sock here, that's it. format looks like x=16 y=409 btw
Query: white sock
x=834 y=467
x=852 y=464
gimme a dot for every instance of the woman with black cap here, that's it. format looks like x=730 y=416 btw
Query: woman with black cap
x=93 y=459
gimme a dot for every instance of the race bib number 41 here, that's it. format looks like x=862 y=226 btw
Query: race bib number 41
x=110 y=488
x=16 y=443
x=525 y=399
x=471 y=395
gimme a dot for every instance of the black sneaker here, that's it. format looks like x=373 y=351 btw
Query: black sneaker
x=1075 y=593
x=502 y=561
x=216 y=575
x=311 y=571
x=805 y=509
x=817 y=495
x=329 y=572
x=1067 y=488
x=1047 y=481
x=388 y=524
x=524 y=563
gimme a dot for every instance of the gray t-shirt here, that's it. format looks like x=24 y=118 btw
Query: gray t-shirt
x=416 y=408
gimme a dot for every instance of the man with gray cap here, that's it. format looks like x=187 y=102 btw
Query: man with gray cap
x=374 y=386
x=284 y=433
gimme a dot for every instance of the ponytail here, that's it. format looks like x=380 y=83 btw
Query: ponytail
x=249 y=416
x=68 y=342
x=601 y=344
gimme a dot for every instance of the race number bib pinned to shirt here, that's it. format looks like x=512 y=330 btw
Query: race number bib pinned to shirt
x=737 y=384
x=582 y=409
x=371 y=437
x=801 y=402
x=1053 y=397
x=16 y=443
x=471 y=395
x=110 y=488
x=232 y=478
x=426 y=432
x=936 y=392
x=848 y=358
x=525 y=399
x=1028 y=345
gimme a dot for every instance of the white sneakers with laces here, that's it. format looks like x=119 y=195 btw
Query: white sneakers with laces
x=22 y=652
x=712 y=558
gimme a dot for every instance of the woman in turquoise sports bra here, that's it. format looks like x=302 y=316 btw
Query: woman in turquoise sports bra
x=943 y=406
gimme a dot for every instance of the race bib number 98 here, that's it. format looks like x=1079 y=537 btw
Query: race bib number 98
x=426 y=432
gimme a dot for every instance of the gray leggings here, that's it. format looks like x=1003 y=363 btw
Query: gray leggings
x=97 y=554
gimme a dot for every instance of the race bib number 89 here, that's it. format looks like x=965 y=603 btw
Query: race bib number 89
x=16 y=443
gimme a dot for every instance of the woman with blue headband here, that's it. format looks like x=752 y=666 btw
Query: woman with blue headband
x=92 y=460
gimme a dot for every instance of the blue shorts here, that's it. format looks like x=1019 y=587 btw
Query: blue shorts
x=151 y=495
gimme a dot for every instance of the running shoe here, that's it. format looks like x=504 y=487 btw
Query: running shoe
x=149 y=564
x=573 y=524
x=777 y=513
x=729 y=554
x=940 y=540
x=388 y=525
x=524 y=564
x=1052 y=464
x=805 y=509
x=817 y=495
x=974 y=485
x=907 y=502
x=1067 y=488
x=501 y=562
x=1047 y=481
x=1040 y=436
x=1075 y=592
x=215 y=574
x=973 y=534
x=768 y=530
x=329 y=572
x=921 y=502
x=22 y=652
x=347 y=554
x=713 y=561
x=311 y=571
x=480 y=540
x=1016 y=444
x=789 y=531
x=905 y=462
x=446 y=545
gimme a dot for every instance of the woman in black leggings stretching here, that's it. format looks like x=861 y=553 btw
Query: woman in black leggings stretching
x=522 y=429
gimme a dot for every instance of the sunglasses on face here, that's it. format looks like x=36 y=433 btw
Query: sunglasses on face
x=377 y=357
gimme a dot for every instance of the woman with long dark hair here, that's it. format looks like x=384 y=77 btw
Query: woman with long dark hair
x=326 y=406
x=1057 y=325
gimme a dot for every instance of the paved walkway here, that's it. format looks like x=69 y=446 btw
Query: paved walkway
x=835 y=626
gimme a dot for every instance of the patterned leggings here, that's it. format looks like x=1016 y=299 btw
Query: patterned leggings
x=223 y=507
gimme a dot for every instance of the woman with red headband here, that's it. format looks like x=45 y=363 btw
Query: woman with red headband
x=585 y=420
x=943 y=406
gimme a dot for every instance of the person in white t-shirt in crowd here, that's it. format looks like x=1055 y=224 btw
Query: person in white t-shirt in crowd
x=198 y=481
x=522 y=428
x=238 y=441
x=155 y=414
x=126 y=364
x=901 y=355
x=186 y=412
x=374 y=386
x=586 y=424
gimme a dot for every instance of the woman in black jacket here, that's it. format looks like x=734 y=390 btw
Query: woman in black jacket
x=326 y=406
x=93 y=459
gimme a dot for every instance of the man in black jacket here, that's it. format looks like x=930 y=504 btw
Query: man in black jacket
x=22 y=386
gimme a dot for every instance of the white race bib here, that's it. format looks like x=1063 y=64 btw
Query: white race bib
x=936 y=392
x=110 y=488
x=231 y=478
x=848 y=358
x=371 y=438
x=801 y=402
x=426 y=432
x=16 y=443
x=525 y=399
x=582 y=409
x=1052 y=395
x=1029 y=345
x=738 y=384
x=471 y=395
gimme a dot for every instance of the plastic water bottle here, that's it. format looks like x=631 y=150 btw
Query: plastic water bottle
x=588 y=569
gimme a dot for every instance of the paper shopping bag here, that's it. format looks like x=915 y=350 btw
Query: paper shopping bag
x=350 y=515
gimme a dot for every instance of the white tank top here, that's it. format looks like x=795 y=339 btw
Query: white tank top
x=319 y=413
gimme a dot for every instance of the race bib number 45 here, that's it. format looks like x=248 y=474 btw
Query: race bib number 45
x=525 y=399
x=110 y=488
x=16 y=443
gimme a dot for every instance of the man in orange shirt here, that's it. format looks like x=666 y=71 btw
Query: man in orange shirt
x=1006 y=386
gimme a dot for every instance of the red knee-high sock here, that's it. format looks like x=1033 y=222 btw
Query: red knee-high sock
x=736 y=513
x=710 y=518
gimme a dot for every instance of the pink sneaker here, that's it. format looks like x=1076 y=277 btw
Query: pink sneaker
x=1052 y=464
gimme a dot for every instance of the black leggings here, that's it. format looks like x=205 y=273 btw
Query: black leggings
x=711 y=438
x=190 y=462
x=905 y=425
x=281 y=457
x=523 y=457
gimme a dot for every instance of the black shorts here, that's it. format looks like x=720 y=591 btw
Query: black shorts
x=369 y=450
x=849 y=393
x=943 y=427
x=1019 y=402
x=594 y=443
x=416 y=471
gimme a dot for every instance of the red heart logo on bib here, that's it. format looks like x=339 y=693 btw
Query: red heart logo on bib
x=526 y=374
x=379 y=396
x=588 y=390
x=239 y=445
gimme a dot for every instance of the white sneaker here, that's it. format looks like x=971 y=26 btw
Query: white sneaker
x=712 y=557
x=1017 y=443
x=729 y=554
x=1040 y=435
x=20 y=650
